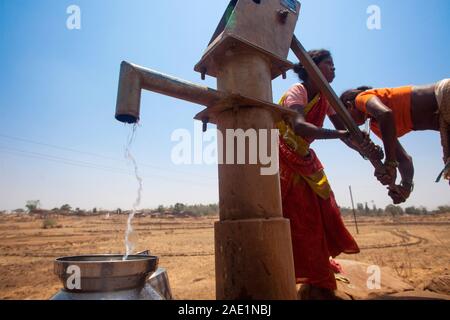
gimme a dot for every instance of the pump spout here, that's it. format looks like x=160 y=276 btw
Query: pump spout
x=134 y=78
x=129 y=94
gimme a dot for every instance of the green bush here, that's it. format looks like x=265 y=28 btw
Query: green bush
x=49 y=223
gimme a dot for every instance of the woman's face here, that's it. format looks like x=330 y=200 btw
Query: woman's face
x=357 y=115
x=327 y=68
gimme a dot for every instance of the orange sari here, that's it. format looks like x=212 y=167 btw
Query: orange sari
x=317 y=229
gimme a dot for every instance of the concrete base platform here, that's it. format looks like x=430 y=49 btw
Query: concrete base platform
x=361 y=281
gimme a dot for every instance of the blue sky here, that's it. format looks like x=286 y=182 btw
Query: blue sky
x=59 y=142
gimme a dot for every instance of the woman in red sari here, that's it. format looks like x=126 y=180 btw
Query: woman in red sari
x=317 y=229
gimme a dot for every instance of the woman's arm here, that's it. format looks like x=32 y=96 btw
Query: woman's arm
x=405 y=166
x=385 y=119
x=401 y=193
x=306 y=129
x=337 y=123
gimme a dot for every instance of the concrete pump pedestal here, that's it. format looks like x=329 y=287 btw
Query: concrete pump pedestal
x=253 y=244
x=251 y=257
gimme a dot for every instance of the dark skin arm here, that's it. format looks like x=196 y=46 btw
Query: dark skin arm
x=337 y=123
x=385 y=119
x=306 y=129
x=401 y=193
x=406 y=166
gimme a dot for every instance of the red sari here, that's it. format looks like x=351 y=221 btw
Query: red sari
x=317 y=229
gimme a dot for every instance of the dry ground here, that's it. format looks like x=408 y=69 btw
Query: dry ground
x=416 y=248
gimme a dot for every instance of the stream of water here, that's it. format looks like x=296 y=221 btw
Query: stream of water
x=129 y=245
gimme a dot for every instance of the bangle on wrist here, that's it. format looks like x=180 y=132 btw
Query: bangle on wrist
x=330 y=134
x=408 y=184
x=391 y=163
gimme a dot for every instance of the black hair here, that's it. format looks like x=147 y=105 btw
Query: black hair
x=350 y=95
x=318 y=56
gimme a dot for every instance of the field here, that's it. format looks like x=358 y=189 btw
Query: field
x=415 y=248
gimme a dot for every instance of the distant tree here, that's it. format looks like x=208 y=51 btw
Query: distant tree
x=374 y=207
x=33 y=205
x=161 y=209
x=214 y=208
x=20 y=210
x=201 y=209
x=178 y=208
x=360 y=207
x=394 y=210
x=119 y=211
x=366 y=209
x=66 y=207
x=443 y=209
x=94 y=211
x=412 y=210
x=417 y=211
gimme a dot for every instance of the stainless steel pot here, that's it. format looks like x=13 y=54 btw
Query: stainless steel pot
x=109 y=277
